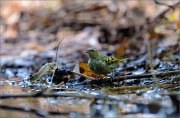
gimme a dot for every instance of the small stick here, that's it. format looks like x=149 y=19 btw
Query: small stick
x=160 y=3
x=161 y=74
x=58 y=46
x=126 y=77
x=56 y=59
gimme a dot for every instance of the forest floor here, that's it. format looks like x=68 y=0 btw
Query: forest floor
x=44 y=64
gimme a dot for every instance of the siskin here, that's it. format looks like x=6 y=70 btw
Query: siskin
x=101 y=64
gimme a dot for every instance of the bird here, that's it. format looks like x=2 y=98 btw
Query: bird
x=101 y=64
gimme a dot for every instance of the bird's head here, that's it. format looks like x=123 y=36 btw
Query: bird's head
x=93 y=53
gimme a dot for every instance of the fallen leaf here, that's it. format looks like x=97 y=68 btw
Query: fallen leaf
x=83 y=68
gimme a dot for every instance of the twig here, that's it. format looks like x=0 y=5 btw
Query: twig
x=57 y=51
x=162 y=13
x=126 y=77
x=161 y=74
x=160 y=3
x=150 y=57
x=56 y=59
x=122 y=78
x=39 y=112
x=44 y=95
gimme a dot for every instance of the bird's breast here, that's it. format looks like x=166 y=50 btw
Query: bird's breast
x=99 y=67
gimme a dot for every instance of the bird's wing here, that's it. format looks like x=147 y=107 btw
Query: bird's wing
x=110 y=60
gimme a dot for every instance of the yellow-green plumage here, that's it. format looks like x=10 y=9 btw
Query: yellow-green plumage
x=101 y=64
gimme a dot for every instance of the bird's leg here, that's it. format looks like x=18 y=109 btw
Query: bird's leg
x=118 y=81
x=113 y=75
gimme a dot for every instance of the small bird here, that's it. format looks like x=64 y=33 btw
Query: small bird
x=101 y=64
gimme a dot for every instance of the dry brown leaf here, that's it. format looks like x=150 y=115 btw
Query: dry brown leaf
x=83 y=68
